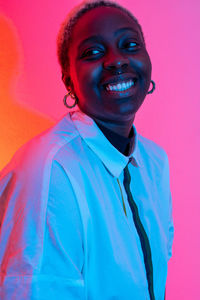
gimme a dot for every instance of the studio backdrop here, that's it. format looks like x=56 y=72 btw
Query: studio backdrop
x=31 y=95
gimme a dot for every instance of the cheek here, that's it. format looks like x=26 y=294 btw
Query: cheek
x=143 y=61
x=144 y=66
x=148 y=66
x=86 y=78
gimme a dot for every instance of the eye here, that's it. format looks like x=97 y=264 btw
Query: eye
x=130 y=46
x=92 y=53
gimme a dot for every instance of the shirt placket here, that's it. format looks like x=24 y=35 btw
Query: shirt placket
x=145 y=245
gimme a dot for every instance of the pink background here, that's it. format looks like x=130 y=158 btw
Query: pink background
x=32 y=92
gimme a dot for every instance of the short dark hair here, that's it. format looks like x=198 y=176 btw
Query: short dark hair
x=65 y=33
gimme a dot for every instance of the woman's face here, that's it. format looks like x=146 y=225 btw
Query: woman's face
x=109 y=67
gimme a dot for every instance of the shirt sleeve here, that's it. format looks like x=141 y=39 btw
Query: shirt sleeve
x=171 y=229
x=169 y=206
x=41 y=247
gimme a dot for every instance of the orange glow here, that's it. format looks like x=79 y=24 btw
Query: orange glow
x=18 y=124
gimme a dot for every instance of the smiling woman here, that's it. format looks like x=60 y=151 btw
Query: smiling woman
x=86 y=207
x=96 y=78
x=109 y=69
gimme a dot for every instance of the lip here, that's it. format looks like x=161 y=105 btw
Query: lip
x=119 y=78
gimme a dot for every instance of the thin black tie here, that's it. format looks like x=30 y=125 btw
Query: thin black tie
x=141 y=232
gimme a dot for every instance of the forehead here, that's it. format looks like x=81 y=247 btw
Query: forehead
x=102 y=21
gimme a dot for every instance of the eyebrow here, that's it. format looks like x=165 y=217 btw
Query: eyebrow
x=125 y=29
x=95 y=37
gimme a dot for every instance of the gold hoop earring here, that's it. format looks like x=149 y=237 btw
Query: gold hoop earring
x=153 y=88
x=73 y=97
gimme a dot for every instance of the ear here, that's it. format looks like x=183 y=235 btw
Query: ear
x=67 y=81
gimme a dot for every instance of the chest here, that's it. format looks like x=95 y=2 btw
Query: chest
x=112 y=244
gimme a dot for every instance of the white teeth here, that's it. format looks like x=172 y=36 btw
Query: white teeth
x=124 y=85
x=120 y=86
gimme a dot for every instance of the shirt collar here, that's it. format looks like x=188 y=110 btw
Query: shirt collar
x=114 y=160
x=120 y=142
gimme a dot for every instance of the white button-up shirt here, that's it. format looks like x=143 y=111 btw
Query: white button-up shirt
x=63 y=230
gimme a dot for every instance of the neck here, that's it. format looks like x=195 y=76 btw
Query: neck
x=122 y=129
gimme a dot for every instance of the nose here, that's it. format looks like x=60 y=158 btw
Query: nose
x=115 y=62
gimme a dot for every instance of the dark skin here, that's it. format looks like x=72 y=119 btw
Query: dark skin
x=116 y=55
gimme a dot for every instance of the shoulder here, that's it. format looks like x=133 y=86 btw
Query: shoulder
x=151 y=152
x=38 y=153
x=25 y=181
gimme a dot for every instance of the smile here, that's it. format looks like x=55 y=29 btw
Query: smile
x=120 y=86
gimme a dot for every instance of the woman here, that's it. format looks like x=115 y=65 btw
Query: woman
x=85 y=206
